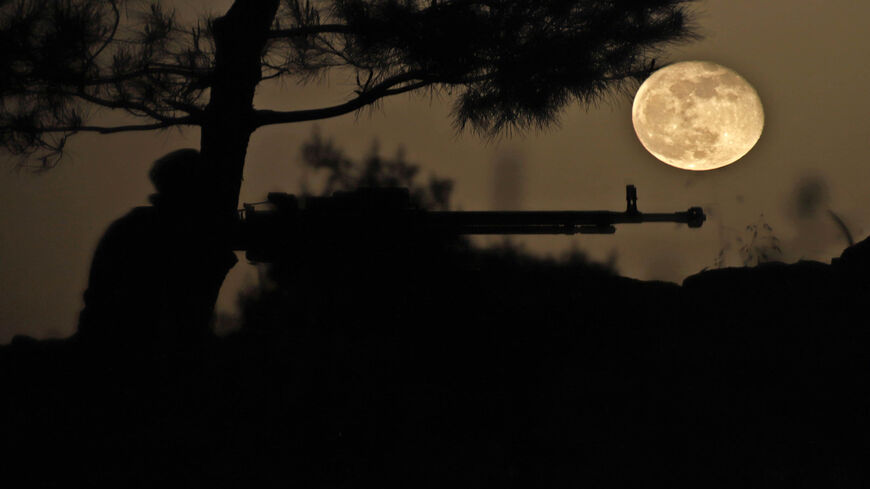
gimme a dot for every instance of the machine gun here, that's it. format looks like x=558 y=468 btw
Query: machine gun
x=288 y=220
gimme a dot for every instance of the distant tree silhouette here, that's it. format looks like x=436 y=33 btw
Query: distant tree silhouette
x=507 y=64
x=341 y=173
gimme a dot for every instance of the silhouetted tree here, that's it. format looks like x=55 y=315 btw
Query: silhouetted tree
x=509 y=64
x=340 y=173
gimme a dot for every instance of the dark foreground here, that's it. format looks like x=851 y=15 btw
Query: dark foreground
x=488 y=370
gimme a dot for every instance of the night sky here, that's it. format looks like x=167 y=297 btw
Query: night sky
x=806 y=58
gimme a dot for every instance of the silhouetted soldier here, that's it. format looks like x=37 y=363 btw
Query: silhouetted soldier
x=156 y=272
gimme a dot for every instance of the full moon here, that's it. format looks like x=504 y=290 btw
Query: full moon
x=697 y=115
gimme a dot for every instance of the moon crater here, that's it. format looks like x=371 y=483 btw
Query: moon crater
x=697 y=115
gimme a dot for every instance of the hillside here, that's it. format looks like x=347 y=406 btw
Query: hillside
x=438 y=365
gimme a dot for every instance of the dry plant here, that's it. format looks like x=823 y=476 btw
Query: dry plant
x=755 y=245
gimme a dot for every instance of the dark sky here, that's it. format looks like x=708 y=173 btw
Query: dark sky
x=806 y=58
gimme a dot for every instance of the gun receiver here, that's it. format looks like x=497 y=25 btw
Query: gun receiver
x=389 y=211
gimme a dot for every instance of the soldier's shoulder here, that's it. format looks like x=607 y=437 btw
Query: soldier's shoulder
x=141 y=212
x=136 y=216
x=137 y=221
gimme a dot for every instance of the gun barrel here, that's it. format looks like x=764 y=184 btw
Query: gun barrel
x=385 y=212
x=551 y=222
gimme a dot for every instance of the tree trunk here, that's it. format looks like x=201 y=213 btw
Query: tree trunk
x=240 y=38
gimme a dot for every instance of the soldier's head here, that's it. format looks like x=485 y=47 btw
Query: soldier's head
x=176 y=176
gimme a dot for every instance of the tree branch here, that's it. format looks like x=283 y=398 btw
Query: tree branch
x=111 y=36
x=381 y=90
x=125 y=105
x=162 y=70
x=111 y=130
x=129 y=106
x=309 y=31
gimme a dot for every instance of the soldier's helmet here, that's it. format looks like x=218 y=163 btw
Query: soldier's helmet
x=176 y=175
